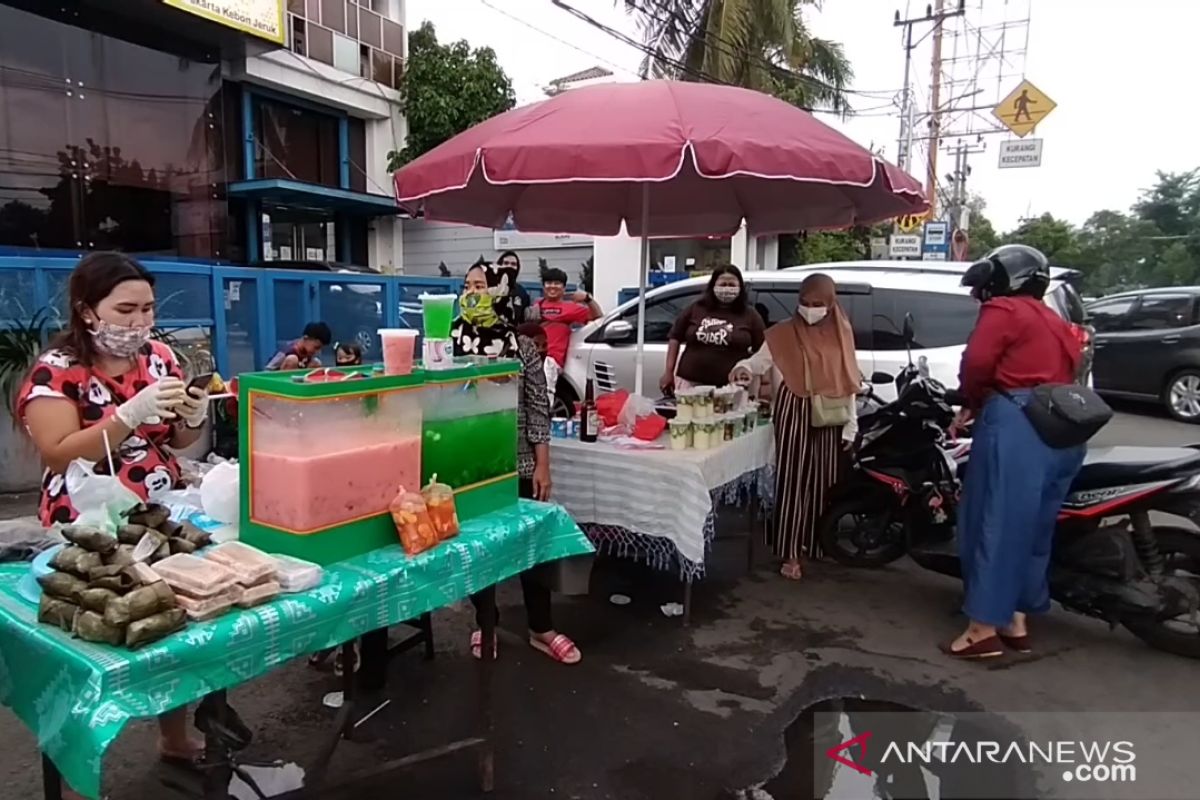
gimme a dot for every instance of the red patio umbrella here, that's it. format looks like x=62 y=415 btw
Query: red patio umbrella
x=666 y=158
x=698 y=157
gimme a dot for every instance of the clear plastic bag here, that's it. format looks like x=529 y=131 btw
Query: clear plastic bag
x=439 y=502
x=416 y=530
x=101 y=500
x=634 y=409
x=219 y=493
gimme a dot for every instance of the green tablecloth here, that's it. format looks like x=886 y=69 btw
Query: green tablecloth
x=77 y=696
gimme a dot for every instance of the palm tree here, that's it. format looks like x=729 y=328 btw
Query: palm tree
x=759 y=44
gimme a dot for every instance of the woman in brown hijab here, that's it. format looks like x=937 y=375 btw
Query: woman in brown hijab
x=810 y=359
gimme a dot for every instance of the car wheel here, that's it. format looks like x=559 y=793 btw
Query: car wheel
x=1182 y=396
x=564 y=400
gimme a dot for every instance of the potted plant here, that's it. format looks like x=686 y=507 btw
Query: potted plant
x=20 y=343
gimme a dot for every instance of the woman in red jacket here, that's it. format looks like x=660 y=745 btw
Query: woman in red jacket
x=1017 y=482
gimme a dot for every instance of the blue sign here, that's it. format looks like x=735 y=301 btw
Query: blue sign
x=935 y=244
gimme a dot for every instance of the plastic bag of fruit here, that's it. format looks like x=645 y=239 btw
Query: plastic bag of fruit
x=439 y=501
x=417 y=533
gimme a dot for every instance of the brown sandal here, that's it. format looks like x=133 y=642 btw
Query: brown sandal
x=1019 y=644
x=984 y=648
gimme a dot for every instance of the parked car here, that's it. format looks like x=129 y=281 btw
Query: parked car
x=1148 y=348
x=875 y=294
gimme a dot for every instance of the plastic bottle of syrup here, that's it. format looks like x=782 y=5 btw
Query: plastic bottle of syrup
x=589 y=419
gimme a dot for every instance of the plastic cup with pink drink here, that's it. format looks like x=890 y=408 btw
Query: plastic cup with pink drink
x=398 y=346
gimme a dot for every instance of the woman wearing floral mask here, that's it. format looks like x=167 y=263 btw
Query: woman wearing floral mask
x=719 y=330
x=811 y=360
x=487 y=326
x=104 y=383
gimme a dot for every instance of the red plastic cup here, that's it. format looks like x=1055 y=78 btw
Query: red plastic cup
x=398 y=346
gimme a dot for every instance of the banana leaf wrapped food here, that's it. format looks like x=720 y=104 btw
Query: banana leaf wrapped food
x=194 y=535
x=170 y=528
x=122 y=556
x=181 y=545
x=131 y=533
x=96 y=599
x=162 y=552
x=90 y=539
x=105 y=571
x=142 y=573
x=75 y=560
x=58 y=612
x=91 y=627
x=151 y=515
x=139 y=604
x=119 y=583
x=62 y=585
x=155 y=627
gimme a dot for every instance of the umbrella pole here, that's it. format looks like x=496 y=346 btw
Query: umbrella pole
x=643 y=279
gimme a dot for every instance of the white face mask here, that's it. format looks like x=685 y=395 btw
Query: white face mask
x=726 y=294
x=812 y=315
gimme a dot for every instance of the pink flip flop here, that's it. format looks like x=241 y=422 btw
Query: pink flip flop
x=560 y=648
x=477 y=645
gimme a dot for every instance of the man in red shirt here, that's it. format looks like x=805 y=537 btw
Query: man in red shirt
x=557 y=315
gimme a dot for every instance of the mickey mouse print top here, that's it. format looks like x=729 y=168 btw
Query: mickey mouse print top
x=142 y=460
x=716 y=340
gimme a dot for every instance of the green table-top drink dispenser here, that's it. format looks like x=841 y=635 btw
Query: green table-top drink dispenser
x=322 y=459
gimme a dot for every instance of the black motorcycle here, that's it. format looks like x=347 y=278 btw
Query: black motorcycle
x=1110 y=560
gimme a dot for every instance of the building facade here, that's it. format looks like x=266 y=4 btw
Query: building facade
x=235 y=131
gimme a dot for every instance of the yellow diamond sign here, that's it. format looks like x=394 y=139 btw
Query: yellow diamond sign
x=910 y=222
x=1024 y=108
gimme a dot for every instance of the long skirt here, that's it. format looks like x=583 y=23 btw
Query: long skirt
x=1014 y=489
x=807 y=464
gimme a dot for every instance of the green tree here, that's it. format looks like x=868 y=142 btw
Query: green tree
x=981 y=234
x=759 y=44
x=1054 y=237
x=1116 y=251
x=447 y=89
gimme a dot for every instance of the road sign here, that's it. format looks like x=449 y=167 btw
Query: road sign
x=936 y=242
x=911 y=222
x=1017 y=153
x=905 y=246
x=879 y=248
x=1024 y=108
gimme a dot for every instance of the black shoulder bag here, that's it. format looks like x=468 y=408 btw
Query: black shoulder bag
x=1065 y=414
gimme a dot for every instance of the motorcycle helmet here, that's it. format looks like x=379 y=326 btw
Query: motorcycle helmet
x=1010 y=269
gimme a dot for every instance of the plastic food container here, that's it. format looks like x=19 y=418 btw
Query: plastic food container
x=702 y=402
x=681 y=434
x=702 y=438
x=249 y=564
x=259 y=593
x=731 y=425
x=724 y=399
x=296 y=575
x=198 y=577
x=202 y=609
x=398 y=347
x=685 y=405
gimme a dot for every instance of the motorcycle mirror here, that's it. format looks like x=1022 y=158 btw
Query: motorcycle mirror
x=909 y=328
x=881 y=378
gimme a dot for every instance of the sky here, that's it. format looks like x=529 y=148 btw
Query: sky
x=1111 y=66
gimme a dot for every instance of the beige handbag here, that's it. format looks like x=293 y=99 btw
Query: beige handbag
x=827 y=412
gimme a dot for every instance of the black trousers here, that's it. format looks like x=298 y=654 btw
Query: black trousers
x=537 y=595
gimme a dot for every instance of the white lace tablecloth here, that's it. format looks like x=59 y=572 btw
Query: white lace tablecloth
x=662 y=493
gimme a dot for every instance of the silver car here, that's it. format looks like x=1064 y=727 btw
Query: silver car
x=875 y=294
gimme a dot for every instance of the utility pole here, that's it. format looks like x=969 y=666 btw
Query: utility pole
x=935 y=115
x=957 y=201
x=908 y=110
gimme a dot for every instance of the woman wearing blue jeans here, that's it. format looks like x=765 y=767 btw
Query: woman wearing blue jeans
x=1017 y=482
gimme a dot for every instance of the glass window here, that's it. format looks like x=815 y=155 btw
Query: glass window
x=291 y=312
x=354 y=312
x=1111 y=315
x=241 y=324
x=939 y=319
x=16 y=294
x=358 y=158
x=182 y=296
x=661 y=314
x=1162 y=312
x=295 y=143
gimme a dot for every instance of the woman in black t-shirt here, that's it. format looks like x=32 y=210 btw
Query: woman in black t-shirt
x=719 y=329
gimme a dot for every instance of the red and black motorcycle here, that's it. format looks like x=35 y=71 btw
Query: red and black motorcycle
x=1111 y=559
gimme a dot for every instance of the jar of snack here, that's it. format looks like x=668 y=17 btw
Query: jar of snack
x=702 y=436
x=684 y=405
x=703 y=402
x=730 y=423
x=681 y=434
x=751 y=414
x=764 y=412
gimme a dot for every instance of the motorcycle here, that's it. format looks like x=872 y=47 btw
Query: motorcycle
x=1110 y=559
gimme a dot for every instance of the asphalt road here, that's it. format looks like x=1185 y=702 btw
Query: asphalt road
x=1145 y=425
x=656 y=710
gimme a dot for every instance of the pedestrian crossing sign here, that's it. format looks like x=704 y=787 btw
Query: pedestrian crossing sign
x=1024 y=108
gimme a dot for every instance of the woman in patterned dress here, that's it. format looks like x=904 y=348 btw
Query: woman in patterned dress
x=103 y=383
x=810 y=355
x=487 y=326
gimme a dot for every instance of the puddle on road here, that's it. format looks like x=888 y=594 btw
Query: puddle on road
x=809 y=773
x=270 y=780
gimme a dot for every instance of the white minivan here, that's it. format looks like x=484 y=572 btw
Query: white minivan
x=875 y=294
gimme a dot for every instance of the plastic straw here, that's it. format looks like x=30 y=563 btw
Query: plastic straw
x=108 y=454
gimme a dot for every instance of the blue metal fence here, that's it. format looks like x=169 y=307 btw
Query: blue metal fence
x=241 y=316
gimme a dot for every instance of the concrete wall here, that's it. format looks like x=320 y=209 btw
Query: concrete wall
x=426 y=244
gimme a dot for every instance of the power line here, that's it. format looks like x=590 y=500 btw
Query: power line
x=549 y=35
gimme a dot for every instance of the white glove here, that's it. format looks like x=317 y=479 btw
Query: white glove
x=154 y=403
x=193 y=408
